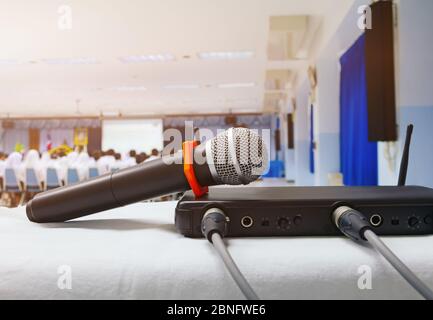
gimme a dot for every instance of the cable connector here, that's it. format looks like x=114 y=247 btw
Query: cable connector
x=214 y=220
x=214 y=226
x=351 y=222
x=355 y=226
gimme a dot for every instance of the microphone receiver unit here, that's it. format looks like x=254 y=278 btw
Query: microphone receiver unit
x=237 y=156
x=307 y=211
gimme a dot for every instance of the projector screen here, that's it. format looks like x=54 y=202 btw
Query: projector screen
x=125 y=135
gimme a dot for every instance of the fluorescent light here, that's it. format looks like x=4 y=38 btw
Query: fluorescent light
x=110 y=113
x=248 y=110
x=236 y=85
x=8 y=62
x=131 y=88
x=70 y=61
x=225 y=55
x=181 y=86
x=161 y=57
x=144 y=114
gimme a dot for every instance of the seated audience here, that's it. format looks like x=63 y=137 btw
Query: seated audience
x=106 y=162
x=154 y=155
x=128 y=158
x=141 y=157
x=31 y=161
x=62 y=158
x=50 y=161
x=13 y=161
x=2 y=169
x=97 y=154
x=82 y=164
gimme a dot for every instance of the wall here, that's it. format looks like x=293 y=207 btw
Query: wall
x=414 y=90
x=303 y=177
x=414 y=69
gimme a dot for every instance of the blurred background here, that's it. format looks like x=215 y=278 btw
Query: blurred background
x=90 y=86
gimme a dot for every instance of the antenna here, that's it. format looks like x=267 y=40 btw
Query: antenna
x=405 y=157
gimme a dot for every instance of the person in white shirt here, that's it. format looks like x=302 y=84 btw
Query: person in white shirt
x=2 y=168
x=62 y=163
x=154 y=155
x=65 y=163
x=128 y=159
x=46 y=157
x=119 y=163
x=82 y=164
x=47 y=161
x=106 y=162
x=13 y=161
x=72 y=157
x=2 y=181
x=94 y=159
x=31 y=161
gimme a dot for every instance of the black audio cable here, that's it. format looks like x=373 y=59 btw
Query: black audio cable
x=214 y=227
x=355 y=226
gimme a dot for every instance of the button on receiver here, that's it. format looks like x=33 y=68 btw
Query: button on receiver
x=283 y=223
x=297 y=220
x=413 y=221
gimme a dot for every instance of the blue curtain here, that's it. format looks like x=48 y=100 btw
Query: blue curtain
x=312 y=139
x=358 y=156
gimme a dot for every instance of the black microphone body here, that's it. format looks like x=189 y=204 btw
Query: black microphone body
x=236 y=156
x=143 y=181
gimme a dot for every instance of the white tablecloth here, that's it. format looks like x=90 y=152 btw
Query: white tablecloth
x=134 y=252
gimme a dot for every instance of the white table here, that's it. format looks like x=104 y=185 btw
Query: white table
x=134 y=252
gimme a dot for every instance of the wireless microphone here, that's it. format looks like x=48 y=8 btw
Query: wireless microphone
x=237 y=156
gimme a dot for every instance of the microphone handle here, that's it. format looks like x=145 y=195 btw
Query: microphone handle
x=144 y=181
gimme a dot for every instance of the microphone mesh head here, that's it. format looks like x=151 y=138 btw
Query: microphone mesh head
x=237 y=156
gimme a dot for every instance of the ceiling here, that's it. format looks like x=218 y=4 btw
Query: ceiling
x=34 y=35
